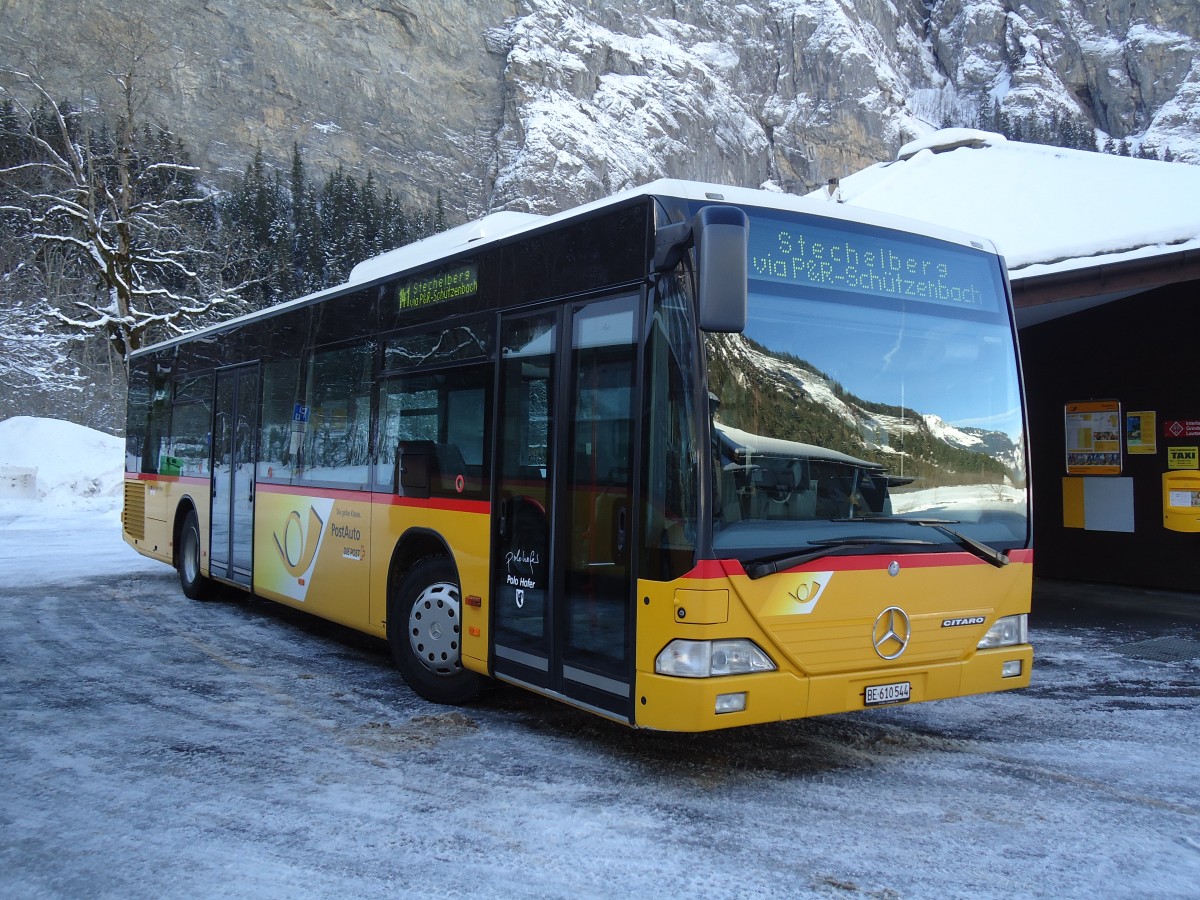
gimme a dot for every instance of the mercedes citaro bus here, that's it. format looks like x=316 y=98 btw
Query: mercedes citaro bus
x=689 y=457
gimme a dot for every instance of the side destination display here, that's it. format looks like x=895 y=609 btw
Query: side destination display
x=449 y=284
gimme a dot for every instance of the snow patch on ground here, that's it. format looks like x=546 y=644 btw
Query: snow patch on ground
x=71 y=529
x=78 y=468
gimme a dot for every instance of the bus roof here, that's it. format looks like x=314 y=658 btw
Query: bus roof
x=508 y=224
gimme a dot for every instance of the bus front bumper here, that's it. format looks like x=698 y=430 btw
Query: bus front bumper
x=668 y=703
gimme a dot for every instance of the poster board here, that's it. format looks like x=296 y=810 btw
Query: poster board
x=1093 y=437
x=1141 y=434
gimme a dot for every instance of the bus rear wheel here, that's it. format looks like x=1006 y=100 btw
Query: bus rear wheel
x=187 y=560
x=424 y=629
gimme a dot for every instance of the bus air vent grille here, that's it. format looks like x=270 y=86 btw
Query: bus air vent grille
x=135 y=509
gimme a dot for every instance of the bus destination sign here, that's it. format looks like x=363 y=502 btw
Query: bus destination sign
x=448 y=284
x=875 y=264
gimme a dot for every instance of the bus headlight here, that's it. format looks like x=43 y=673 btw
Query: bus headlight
x=1006 y=631
x=706 y=659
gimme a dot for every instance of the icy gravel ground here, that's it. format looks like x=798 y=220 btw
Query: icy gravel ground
x=158 y=747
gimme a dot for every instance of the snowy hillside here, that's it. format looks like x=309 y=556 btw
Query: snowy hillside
x=598 y=109
x=70 y=528
x=995 y=444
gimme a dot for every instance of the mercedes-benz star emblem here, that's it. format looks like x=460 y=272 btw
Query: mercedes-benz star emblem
x=891 y=633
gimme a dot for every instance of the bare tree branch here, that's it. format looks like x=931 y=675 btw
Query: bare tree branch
x=118 y=211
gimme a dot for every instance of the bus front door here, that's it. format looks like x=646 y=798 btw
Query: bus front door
x=235 y=431
x=562 y=588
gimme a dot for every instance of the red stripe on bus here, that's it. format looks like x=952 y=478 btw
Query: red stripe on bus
x=906 y=561
x=449 y=504
x=166 y=479
x=721 y=568
x=716 y=568
x=300 y=490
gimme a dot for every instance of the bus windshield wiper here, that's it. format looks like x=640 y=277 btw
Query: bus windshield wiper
x=988 y=554
x=760 y=568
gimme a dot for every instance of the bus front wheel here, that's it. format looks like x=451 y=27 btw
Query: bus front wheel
x=424 y=629
x=187 y=561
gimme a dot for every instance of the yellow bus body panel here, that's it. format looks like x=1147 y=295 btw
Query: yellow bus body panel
x=312 y=551
x=817 y=626
x=466 y=527
x=154 y=499
x=330 y=552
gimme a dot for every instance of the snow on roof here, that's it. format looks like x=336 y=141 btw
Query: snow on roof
x=1046 y=208
x=753 y=445
x=442 y=244
x=950 y=139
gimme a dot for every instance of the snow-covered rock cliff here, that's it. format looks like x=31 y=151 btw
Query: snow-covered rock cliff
x=540 y=104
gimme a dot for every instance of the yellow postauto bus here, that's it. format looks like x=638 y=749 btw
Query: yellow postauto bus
x=690 y=457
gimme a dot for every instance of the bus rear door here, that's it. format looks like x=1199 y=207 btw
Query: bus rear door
x=235 y=432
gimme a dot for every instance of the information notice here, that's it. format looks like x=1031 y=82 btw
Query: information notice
x=1140 y=432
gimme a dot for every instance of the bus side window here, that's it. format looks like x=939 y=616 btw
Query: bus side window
x=670 y=461
x=337 y=425
x=284 y=416
x=433 y=432
x=137 y=415
x=156 y=434
x=191 y=426
x=407 y=415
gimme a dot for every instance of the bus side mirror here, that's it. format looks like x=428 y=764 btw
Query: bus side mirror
x=722 y=234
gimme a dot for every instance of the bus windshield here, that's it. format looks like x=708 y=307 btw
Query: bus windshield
x=875 y=384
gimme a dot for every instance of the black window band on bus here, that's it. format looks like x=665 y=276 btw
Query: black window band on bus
x=457 y=343
x=188 y=446
x=316 y=418
x=434 y=433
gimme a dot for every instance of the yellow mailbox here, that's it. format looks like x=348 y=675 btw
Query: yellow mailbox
x=1181 y=500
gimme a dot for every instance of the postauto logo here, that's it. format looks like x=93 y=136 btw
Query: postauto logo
x=298 y=546
x=298 y=540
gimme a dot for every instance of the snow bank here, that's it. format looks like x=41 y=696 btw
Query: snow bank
x=70 y=528
x=76 y=467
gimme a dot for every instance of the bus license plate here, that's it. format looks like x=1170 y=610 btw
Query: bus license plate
x=878 y=694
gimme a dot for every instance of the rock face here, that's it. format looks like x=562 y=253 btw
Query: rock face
x=540 y=104
x=406 y=88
